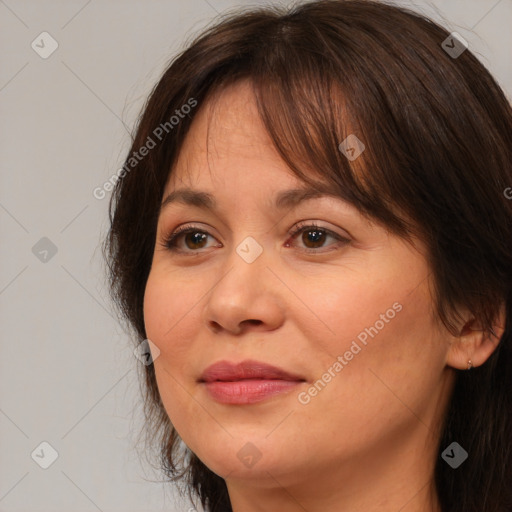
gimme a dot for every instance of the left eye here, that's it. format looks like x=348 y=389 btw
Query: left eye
x=314 y=236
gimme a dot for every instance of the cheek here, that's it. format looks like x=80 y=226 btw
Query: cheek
x=357 y=308
x=388 y=306
x=167 y=309
x=167 y=304
x=387 y=380
x=386 y=337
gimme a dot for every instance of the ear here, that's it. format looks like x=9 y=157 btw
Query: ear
x=473 y=344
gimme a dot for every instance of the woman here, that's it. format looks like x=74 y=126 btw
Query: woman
x=312 y=231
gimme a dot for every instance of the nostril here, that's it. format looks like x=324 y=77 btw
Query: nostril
x=216 y=327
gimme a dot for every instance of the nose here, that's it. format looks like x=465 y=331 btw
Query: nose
x=246 y=297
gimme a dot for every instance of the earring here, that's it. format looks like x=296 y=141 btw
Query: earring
x=470 y=364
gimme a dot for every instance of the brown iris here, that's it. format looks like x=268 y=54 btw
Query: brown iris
x=198 y=239
x=315 y=236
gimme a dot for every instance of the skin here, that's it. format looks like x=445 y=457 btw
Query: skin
x=368 y=440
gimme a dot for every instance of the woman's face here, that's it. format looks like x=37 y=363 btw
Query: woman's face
x=344 y=308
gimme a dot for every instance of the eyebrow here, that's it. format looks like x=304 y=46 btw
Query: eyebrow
x=284 y=199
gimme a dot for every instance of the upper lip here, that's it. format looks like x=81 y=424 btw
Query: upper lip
x=249 y=369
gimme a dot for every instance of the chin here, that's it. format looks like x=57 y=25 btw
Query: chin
x=250 y=457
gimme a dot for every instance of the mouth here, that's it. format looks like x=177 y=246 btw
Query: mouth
x=247 y=382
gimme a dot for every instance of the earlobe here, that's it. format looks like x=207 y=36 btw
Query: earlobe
x=474 y=346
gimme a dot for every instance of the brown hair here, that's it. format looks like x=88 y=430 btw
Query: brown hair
x=438 y=137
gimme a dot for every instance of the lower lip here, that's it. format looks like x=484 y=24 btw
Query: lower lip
x=248 y=391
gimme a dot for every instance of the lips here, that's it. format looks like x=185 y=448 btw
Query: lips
x=247 y=382
x=226 y=371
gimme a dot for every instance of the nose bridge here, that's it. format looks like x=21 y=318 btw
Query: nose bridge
x=245 y=271
x=244 y=290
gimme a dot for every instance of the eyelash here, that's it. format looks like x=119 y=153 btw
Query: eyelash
x=170 y=242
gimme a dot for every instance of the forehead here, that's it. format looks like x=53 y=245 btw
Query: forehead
x=227 y=140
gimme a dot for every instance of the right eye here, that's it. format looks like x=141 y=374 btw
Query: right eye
x=193 y=237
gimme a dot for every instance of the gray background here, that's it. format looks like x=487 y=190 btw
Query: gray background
x=67 y=372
